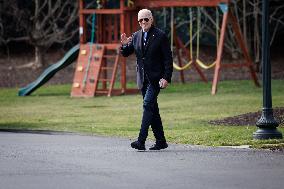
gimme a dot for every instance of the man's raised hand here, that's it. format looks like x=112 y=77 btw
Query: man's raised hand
x=125 y=40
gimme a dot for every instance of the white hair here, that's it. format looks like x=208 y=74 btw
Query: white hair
x=145 y=13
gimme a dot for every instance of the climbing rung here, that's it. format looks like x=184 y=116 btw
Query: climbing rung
x=109 y=56
x=104 y=80
x=106 y=68
x=97 y=58
x=102 y=92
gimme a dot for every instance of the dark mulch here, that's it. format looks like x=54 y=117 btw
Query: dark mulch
x=249 y=119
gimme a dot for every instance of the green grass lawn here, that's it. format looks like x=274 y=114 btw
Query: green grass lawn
x=185 y=110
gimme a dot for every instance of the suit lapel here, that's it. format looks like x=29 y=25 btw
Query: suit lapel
x=140 y=48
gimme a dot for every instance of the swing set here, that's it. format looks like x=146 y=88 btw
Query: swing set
x=195 y=61
x=94 y=62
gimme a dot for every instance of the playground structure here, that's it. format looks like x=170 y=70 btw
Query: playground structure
x=99 y=60
x=126 y=14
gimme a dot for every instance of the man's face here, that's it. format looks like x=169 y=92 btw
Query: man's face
x=145 y=21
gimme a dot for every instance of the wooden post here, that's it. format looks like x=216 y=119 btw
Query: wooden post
x=99 y=29
x=123 y=60
x=178 y=55
x=82 y=23
x=108 y=28
x=244 y=48
x=127 y=24
x=219 y=54
x=115 y=29
x=135 y=21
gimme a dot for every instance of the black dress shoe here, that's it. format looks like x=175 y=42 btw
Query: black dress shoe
x=138 y=145
x=159 y=146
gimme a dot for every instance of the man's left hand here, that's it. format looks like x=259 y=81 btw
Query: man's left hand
x=163 y=83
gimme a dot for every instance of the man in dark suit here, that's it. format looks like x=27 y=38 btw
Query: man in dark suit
x=154 y=71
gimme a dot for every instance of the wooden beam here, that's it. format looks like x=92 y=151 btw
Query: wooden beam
x=234 y=65
x=219 y=55
x=175 y=38
x=110 y=46
x=100 y=11
x=116 y=38
x=179 y=3
x=123 y=60
x=241 y=41
x=82 y=24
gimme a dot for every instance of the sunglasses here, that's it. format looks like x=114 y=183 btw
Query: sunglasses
x=145 y=19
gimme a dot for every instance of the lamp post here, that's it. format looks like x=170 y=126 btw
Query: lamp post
x=267 y=125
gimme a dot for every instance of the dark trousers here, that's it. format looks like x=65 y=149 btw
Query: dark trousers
x=151 y=115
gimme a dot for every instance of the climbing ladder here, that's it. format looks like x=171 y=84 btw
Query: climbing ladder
x=96 y=76
x=96 y=70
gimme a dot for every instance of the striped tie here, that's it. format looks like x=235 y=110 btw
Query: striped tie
x=145 y=38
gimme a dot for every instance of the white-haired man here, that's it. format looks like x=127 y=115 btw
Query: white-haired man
x=154 y=71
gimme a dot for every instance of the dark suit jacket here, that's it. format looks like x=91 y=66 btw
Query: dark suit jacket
x=154 y=61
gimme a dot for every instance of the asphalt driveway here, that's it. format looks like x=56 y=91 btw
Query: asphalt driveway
x=33 y=161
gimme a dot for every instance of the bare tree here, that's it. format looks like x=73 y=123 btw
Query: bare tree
x=51 y=22
x=251 y=23
x=43 y=23
x=10 y=29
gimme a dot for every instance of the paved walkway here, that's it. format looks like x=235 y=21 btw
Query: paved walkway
x=33 y=161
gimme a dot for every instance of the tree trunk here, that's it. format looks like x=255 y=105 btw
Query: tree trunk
x=39 y=62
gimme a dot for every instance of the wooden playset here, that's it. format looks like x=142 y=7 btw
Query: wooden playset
x=99 y=60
